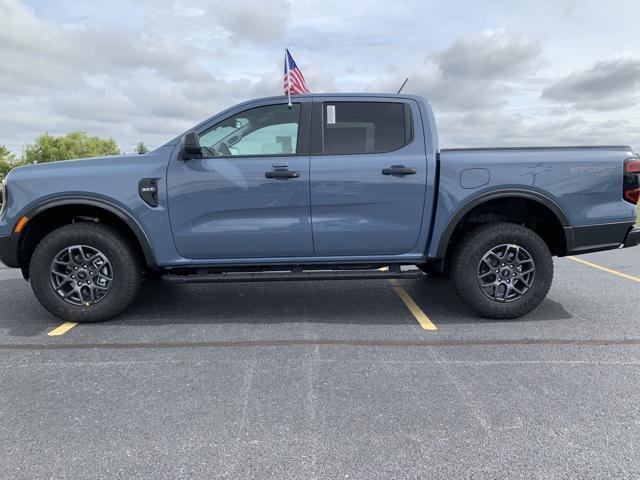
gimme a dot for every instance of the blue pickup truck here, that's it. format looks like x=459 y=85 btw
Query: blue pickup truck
x=334 y=186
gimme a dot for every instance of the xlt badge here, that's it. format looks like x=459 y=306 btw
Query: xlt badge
x=148 y=191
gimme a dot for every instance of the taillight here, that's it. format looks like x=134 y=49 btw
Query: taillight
x=631 y=191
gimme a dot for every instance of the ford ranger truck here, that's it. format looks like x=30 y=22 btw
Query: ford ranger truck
x=348 y=186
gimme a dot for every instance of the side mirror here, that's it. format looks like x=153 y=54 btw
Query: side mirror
x=191 y=146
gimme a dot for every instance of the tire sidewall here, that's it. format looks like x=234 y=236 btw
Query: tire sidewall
x=125 y=270
x=484 y=241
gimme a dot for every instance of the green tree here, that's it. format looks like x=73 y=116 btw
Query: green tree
x=7 y=161
x=50 y=148
x=6 y=155
x=5 y=167
x=142 y=148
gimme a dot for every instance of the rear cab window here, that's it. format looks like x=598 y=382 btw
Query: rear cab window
x=365 y=127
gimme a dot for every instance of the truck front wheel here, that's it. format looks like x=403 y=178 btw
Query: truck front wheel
x=502 y=270
x=85 y=272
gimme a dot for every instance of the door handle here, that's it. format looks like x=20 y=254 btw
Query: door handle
x=399 y=170
x=282 y=174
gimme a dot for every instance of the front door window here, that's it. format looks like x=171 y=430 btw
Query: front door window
x=270 y=130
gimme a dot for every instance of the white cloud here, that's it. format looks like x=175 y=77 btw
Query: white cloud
x=150 y=69
x=249 y=21
x=482 y=128
x=476 y=71
x=489 y=55
x=607 y=85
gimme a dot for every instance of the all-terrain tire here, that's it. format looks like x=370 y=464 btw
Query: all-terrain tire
x=466 y=265
x=125 y=268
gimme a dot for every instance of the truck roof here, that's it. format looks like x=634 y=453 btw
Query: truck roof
x=403 y=96
x=354 y=94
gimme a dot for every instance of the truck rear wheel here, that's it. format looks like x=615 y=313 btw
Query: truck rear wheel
x=85 y=272
x=502 y=270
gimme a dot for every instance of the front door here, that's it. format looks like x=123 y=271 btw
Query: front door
x=248 y=196
x=368 y=177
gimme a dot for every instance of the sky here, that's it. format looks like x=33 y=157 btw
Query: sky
x=497 y=73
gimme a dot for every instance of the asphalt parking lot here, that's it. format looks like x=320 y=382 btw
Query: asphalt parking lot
x=350 y=379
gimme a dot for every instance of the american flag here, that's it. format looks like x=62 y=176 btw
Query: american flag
x=293 y=80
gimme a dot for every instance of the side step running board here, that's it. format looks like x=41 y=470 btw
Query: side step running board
x=283 y=276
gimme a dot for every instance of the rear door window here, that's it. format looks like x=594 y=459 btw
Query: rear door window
x=365 y=127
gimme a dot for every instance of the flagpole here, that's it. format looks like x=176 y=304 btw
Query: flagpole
x=286 y=64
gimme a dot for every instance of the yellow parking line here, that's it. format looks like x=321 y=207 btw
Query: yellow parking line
x=422 y=318
x=62 y=329
x=608 y=270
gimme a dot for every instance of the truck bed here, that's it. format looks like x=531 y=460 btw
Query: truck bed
x=582 y=184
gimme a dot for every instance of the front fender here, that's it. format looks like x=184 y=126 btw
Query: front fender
x=106 y=204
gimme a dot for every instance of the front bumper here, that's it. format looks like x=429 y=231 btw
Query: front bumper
x=9 y=251
x=633 y=238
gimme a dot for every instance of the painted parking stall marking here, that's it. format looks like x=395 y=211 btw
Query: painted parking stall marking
x=633 y=278
x=62 y=329
x=422 y=318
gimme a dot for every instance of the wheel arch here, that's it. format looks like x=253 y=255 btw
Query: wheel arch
x=549 y=206
x=45 y=216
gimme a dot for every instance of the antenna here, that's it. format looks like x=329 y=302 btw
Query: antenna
x=403 y=84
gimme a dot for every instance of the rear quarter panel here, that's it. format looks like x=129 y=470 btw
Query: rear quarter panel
x=585 y=183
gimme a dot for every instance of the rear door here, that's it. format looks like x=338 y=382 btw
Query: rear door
x=248 y=197
x=368 y=176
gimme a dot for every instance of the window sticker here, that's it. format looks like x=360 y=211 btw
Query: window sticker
x=331 y=114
